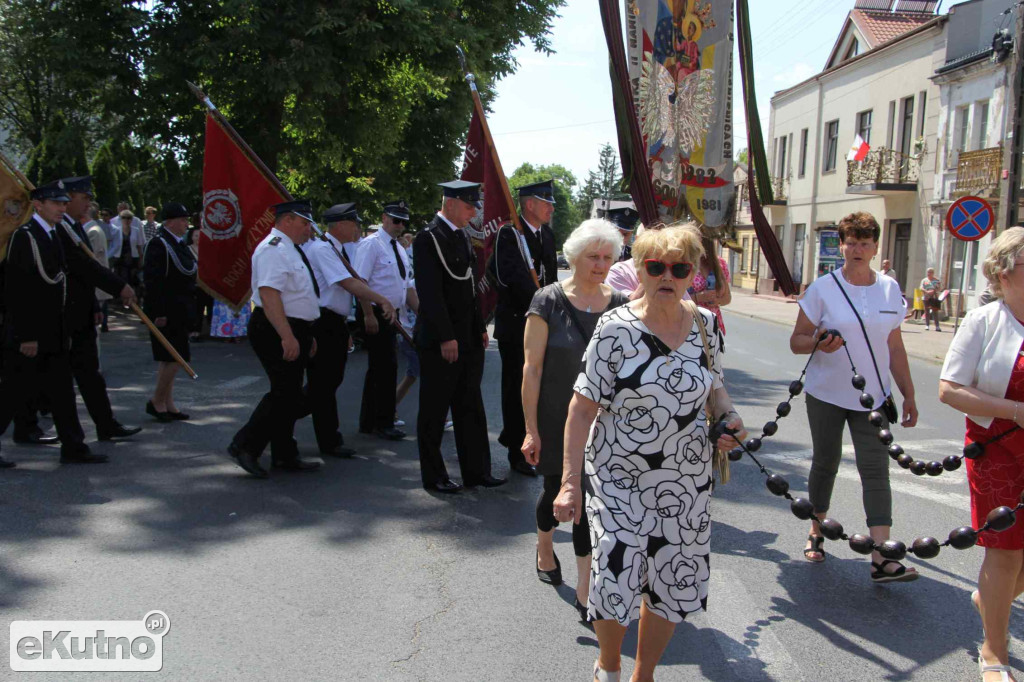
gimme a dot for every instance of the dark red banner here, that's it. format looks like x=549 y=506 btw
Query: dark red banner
x=236 y=216
x=478 y=166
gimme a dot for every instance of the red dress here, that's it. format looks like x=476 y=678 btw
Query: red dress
x=997 y=477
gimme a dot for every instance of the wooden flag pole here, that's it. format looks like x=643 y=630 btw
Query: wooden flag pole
x=134 y=306
x=479 y=108
x=278 y=185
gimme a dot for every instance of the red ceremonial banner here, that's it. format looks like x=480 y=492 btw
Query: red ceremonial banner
x=236 y=216
x=478 y=166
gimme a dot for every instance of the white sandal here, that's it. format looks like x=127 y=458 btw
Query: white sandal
x=602 y=675
x=1003 y=670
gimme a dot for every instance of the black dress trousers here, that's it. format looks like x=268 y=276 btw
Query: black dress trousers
x=513 y=429
x=456 y=384
x=85 y=366
x=324 y=374
x=273 y=420
x=49 y=374
x=378 y=408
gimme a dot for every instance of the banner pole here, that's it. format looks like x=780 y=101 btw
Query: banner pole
x=478 y=107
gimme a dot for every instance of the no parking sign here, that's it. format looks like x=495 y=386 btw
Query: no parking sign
x=970 y=218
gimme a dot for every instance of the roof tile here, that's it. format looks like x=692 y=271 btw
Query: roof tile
x=881 y=27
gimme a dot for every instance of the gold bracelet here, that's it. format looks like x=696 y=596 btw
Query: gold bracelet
x=566 y=479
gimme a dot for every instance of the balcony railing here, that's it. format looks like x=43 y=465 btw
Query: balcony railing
x=883 y=166
x=978 y=173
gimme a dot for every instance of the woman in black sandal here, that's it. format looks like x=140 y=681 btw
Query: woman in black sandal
x=867 y=311
x=559 y=324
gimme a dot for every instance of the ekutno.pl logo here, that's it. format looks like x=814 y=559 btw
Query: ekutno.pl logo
x=89 y=645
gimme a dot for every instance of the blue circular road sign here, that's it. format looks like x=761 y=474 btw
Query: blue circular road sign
x=970 y=218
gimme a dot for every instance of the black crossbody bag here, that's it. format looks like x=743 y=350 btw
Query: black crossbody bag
x=889 y=405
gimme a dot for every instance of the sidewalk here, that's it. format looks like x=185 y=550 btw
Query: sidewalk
x=930 y=346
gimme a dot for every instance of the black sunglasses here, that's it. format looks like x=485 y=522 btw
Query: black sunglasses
x=399 y=221
x=656 y=268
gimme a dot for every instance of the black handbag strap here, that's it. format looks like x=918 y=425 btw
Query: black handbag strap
x=863 y=331
x=569 y=308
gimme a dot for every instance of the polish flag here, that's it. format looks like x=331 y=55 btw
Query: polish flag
x=859 y=150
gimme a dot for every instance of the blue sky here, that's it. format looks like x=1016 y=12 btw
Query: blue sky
x=558 y=108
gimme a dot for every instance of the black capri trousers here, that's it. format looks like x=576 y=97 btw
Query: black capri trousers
x=546 y=516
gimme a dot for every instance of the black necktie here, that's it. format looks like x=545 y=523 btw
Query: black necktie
x=401 y=267
x=309 y=267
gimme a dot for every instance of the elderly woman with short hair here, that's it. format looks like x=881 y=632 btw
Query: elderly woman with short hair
x=638 y=419
x=983 y=376
x=559 y=324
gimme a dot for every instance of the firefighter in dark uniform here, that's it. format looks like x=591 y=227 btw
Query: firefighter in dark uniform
x=169 y=273
x=521 y=261
x=37 y=359
x=85 y=275
x=286 y=296
x=450 y=339
x=626 y=220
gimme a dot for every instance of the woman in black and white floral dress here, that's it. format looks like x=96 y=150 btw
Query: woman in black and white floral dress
x=638 y=416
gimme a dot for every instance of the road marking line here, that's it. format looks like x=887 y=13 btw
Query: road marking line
x=744 y=635
x=902 y=481
x=238 y=382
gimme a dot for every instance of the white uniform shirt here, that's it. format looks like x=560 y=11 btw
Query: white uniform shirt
x=277 y=264
x=330 y=273
x=881 y=307
x=45 y=225
x=376 y=263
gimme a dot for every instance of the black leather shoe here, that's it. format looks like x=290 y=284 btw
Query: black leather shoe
x=390 y=433
x=524 y=468
x=178 y=416
x=247 y=461
x=160 y=416
x=581 y=609
x=36 y=438
x=445 y=485
x=297 y=464
x=6 y=464
x=117 y=430
x=84 y=457
x=552 y=577
x=339 y=451
x=487 y=481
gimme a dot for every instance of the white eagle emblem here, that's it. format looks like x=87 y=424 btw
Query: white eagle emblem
x=222 y=216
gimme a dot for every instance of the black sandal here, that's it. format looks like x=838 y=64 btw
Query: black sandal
x=900 y=575
x=817 y=547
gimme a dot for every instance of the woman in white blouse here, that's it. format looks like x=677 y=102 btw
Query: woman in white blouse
x=867 y=311
x=983 y=376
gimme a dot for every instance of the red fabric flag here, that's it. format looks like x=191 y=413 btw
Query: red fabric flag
x=479 y=166
x=236 y=216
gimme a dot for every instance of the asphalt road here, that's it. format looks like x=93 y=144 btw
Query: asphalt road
x=356 y=573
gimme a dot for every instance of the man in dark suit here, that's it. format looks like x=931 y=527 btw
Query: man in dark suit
x=521 y=262
x=37 y=334
x=85 y=275
x=450 y=339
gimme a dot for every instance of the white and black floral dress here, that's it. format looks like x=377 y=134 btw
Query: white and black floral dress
x=648 y=467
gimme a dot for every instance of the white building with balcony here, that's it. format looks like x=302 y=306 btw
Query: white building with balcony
x=973 y=85
x=878 y=84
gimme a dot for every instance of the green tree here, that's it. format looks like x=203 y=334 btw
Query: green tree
x=566 y=217
x=742 y=156
x=358 y=100
x=61 y=153
x=590 y=190
x=609 y=175
x=75 y=57
x=104 y=178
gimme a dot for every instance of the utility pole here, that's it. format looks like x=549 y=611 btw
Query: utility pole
x=1009 y=186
